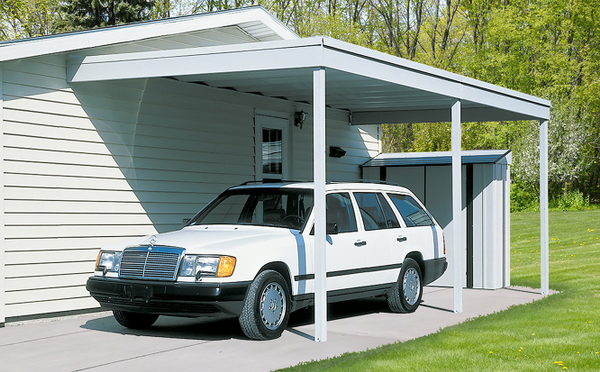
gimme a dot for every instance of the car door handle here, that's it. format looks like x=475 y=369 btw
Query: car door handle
x=360 y=243
x=401 y=239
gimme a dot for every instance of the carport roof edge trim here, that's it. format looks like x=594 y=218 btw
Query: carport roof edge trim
x=429 y=70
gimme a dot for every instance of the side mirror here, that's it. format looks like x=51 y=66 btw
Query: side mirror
x=332 y=228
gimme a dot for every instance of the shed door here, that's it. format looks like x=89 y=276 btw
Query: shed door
x=273 y=148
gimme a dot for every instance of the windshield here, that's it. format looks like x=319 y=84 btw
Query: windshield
x=287 y=208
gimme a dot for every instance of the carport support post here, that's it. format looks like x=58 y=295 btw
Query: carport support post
x=319 y=207
x=544 y=206
x=457 y=230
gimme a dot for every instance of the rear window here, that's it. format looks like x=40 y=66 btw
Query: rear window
x=412 y=213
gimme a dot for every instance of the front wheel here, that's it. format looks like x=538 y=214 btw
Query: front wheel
x=405 y=295
x=266 y=308
x=134 y=320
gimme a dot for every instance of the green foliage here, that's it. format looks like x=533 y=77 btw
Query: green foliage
x=571 y=201
x=432 y=137
x=545 y=48
x=25 y=18
x=397 y=138
x=523 y=199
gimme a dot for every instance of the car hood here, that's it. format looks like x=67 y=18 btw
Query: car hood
x=215 y=239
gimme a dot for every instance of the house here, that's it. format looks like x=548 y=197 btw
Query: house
x=126 y=131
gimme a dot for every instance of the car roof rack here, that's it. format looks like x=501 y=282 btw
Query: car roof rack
x=270 y=181
x=364 y=181
x=262 y=182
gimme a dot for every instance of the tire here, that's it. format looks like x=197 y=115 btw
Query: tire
x=134 y=320
x=405 y=295
x=266 y=309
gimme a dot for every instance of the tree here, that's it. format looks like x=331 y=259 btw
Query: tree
x=25 y=18
x=87 y=14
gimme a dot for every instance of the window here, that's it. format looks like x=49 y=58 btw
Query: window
x=375 y=211
x=340 y=212
x=272 y=158
x=411 y=211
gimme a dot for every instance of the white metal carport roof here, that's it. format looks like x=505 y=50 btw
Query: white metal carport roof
x=373 y=86
x=370 y=86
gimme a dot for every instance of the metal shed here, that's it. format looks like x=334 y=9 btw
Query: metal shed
x=485 y=207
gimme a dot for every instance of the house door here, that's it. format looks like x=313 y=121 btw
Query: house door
x=272 y=148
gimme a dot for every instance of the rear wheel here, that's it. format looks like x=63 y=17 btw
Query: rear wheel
x=134 y=320
x=405 y=296
x=266 y=308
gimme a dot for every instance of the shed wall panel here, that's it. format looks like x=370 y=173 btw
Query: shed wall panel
x=411 y=177
x=479 y=211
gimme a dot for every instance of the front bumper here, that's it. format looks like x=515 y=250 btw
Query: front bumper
x=168 y=298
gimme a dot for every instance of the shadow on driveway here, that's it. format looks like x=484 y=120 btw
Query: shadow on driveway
x=215 y=329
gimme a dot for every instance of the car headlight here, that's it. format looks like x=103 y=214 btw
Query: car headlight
x=197 y=266
x=108 y=261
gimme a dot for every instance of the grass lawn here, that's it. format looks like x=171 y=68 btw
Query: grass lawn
x=559 y=332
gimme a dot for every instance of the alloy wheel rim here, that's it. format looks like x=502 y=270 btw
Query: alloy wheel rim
x=411 y=286
x=272 y=305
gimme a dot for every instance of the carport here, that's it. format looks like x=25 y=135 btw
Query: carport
x=371 y=87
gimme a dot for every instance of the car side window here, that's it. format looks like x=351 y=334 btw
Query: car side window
x=410 y=210
x=375 y=211
x=341 y=212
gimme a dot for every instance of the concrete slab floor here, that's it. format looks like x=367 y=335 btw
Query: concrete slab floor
x=96 y=342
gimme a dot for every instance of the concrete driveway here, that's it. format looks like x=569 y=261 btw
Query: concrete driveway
x=95 y=342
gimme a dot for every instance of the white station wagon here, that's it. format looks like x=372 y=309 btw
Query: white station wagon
x=249 y=254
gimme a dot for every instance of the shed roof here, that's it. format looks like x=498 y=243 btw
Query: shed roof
x=438 y=158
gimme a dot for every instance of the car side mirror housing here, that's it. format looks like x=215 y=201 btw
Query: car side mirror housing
x=332 y=228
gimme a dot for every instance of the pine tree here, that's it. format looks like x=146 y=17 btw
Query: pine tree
x=86 y=14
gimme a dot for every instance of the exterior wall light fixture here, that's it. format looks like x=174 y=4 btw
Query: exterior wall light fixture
x=299 y=117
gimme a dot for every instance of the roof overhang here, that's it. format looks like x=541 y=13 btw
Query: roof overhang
x=256 y=22
x=374 y=87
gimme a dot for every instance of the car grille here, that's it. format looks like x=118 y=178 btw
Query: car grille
x=159 y=263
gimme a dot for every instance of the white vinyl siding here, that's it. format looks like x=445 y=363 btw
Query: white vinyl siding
x=360 y=143
x=87 y=165
x=2 y=247
x=64 y=194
